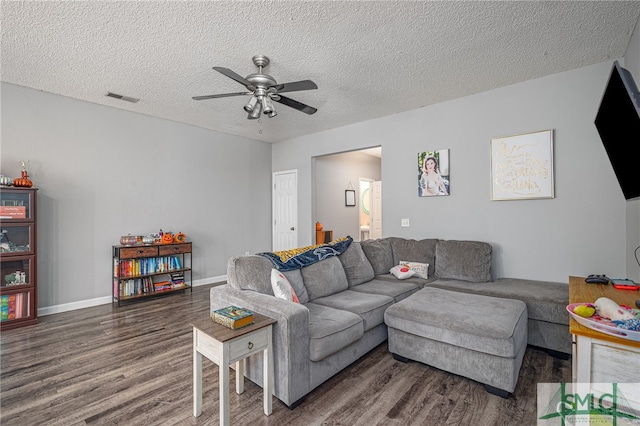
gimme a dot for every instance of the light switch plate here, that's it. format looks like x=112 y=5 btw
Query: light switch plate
x=404 y=223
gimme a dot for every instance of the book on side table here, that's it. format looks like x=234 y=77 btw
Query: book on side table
x=233 y=317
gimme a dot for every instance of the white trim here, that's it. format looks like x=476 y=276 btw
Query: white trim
x=65 y=307
x=212 y=280
x=56 y=309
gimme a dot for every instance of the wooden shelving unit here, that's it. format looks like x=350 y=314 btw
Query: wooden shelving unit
x=18 y=259
x=143 y=271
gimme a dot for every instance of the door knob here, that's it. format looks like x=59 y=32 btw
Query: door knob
x=293 y=228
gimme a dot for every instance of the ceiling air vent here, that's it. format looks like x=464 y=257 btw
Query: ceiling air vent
x=123 y=98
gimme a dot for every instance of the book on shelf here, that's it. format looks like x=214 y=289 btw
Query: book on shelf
x=177 y=280
x=13 y=212
x=233 y=317
x=14 y=306
x=162 y=285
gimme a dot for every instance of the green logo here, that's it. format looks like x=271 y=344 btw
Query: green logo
x=584 y=406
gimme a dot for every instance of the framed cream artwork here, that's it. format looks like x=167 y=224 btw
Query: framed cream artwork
x=522 y=166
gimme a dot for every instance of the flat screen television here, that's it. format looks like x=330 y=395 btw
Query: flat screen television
x=618 y=123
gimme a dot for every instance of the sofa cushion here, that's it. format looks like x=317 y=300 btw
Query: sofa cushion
x=331 y=330
x=324 y=278
x=370 y=307
x=356 y=265
x=295 y=278
x=463 y=260
x=379 y=254
x=250 y=273
x=420 y=282
x=409 y=250
x=398 y=290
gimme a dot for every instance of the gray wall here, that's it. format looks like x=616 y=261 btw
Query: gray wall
x=582 y=230
x=104 y=172
x=333 y=173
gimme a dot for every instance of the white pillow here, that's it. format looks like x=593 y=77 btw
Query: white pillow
x=281 y=286
x=402 y=272
x=421 y=269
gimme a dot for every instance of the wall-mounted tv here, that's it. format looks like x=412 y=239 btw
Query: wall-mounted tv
x=618 y=123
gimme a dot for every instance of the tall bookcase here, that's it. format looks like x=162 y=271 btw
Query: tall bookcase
x=144 y=271
x=18 y=257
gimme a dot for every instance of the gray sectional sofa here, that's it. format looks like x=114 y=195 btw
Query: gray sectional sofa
x=343 y=300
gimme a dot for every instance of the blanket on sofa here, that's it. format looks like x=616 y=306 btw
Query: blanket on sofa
x=288 y=260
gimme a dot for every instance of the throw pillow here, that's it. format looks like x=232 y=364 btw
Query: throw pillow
x=282 y=288
x=421 y=269
x=402 y=272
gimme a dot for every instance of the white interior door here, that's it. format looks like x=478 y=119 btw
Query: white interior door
x=365 y=208
x=376 y=210
x=285 y=210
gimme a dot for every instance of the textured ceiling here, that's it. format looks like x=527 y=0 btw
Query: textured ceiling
x=369 y=59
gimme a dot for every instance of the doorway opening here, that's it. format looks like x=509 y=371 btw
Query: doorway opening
x=335 y=173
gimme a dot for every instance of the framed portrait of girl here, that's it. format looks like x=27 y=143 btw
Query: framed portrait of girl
x=433 y=173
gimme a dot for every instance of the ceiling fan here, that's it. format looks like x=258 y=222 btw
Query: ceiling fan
x=264 y=90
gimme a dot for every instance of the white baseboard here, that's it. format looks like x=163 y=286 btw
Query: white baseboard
x=65 y=307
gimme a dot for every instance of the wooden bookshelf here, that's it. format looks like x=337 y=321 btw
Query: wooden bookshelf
x=18 y=261
x=143 y=271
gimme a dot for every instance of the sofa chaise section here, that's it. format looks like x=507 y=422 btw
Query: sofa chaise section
x=546 y=304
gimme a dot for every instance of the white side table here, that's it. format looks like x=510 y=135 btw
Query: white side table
x=224 y=347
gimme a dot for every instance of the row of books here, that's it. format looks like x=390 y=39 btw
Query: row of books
x=146 y=285
x=14 y=306
x=148 y=265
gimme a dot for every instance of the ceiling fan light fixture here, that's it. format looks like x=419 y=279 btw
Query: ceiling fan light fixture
x=255 y=113
x=250 y=106
x=267 y=106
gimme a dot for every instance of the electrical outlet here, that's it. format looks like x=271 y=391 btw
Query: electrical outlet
x=404 y=223
x=246 y=253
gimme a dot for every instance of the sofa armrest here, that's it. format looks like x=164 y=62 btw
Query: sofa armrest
x=290 y=339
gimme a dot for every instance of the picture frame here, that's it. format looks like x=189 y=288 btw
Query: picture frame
x=522 y=166
x=434 y=178
x=350 y=197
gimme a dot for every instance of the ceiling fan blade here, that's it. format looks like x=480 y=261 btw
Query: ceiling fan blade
x=223 y=95
x=233 y=75
x=296 y=105
x=295 y=86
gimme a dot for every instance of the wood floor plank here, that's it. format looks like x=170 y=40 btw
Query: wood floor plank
x=132 y=365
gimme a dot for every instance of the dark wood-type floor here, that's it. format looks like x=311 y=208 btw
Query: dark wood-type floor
x=133 y=366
